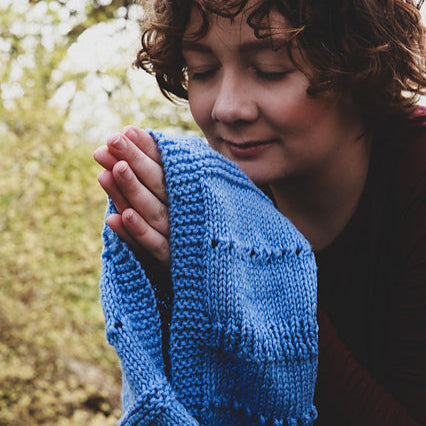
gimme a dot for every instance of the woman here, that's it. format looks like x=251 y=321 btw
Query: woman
x=315 y=102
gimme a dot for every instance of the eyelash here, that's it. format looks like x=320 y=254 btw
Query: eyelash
x=270 y=76
x=264 y=75
x=203 y=75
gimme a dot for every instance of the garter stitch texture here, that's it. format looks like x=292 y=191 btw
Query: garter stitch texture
x=243 y=334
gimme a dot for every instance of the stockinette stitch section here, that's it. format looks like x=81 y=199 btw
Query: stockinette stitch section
x=243 y=334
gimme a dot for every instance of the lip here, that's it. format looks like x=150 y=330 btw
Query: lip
x=245 y=149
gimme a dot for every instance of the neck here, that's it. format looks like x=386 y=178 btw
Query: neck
x=321 y=204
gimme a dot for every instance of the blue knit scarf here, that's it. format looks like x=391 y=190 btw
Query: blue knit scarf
x=243 y=334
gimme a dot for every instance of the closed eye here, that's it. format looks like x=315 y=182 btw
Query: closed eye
x=271 y=75
x=202 y=75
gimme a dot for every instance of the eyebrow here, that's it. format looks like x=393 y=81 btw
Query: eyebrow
x=246 y=47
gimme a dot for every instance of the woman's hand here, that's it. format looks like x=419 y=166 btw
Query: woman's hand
x=134 y=179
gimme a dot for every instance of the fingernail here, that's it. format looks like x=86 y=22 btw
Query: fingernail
x=131 y=133
x=97 y=150
x=125 y=172
x=131 y=217
x=119 y=143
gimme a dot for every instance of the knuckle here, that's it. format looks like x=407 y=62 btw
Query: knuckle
x=139 y=161
x=141 y=233
x=135 y=154
x=161 y=214
x=149 y=145
x=160 y=190
x=162 y=250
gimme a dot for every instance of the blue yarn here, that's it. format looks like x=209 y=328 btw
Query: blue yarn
x=243 y=334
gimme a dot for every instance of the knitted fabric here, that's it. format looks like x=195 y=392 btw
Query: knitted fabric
x=243 y=334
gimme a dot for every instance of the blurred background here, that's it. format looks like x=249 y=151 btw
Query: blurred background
x=66 y=83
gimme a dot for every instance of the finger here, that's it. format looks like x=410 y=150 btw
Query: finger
x=149 y=172
x=144 y=142
x=104 y=157
x=146 y=236
x=115 y=222
x=106 y=180
x=154 y=211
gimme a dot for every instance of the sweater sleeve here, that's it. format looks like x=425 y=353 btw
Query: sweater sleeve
x=400 y=400
x=133 y=327
x=147 y=396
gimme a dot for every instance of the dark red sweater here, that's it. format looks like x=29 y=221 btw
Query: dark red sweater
x=372 y=293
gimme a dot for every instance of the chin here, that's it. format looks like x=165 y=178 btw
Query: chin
x=259 y=180
x=259 y=177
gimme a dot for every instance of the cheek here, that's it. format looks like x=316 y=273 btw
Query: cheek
x=296 y=110
x=290 y=106
x=200 y=109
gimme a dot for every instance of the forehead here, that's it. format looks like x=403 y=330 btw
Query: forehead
x=274 y=24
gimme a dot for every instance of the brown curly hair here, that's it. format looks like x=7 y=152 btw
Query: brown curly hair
x=373 y=49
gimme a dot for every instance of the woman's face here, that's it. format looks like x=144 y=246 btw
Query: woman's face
x=250 y=101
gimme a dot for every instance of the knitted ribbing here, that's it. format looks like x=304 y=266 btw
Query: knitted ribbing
x=243 y=335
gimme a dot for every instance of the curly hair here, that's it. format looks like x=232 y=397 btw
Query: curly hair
x=372 y=49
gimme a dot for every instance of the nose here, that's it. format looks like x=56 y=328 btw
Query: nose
x=234 y=101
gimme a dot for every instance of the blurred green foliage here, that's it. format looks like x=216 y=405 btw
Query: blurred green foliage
x=55 y=365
